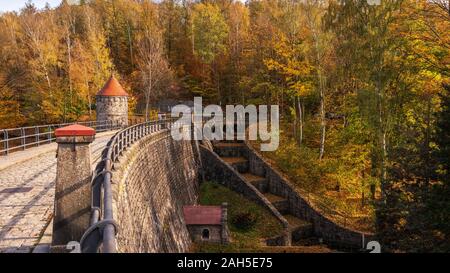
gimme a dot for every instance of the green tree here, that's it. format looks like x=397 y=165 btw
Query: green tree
x=209 y=32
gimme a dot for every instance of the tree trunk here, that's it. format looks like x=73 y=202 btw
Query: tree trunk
x=300 y=111
x=314 y=28
x=295 y=120
x=69 y=65
x=147 y=104
x=130 y=44
x=383 y=144
x=322 y=124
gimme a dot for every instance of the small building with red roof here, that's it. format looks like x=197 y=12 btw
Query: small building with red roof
x=112 y=104
x=207 y=223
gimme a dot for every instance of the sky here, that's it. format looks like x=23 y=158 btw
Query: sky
x=11 y=5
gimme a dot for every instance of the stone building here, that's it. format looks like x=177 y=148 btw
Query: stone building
x=207 y=223
x=112 y=103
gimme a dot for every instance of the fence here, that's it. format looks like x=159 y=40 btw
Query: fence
x=16 y=139
x=100 y=236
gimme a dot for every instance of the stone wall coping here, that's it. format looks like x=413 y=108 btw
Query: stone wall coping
x=295 y=190
x=261 y=196
x=74 y=130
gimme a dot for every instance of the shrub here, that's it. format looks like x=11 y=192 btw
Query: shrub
x=244 y=220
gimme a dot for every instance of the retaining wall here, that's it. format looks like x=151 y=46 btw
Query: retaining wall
x=215 y=169
x=331 y=232
x=154 y=179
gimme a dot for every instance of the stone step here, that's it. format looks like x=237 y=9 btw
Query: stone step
x=232 y=141
x=280 y=203
x=316 y=248
x=300 y=229
x=309 y=241
x=258 y=181
x=229 y=149
x=229 y=144
x=238 y=163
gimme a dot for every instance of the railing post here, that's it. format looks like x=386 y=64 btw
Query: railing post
x=49 y=136
x=73 y=187
x=23 y=140
x=122 y=141
x=36 y=132
x=6 y=142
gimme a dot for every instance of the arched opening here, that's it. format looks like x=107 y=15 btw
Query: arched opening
x=205 y=234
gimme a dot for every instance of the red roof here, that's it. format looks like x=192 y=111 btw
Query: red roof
x=74 y=130
x=202 y=215
x=112 y=88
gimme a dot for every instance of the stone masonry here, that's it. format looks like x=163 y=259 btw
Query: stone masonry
x=155 y=178
x=73 y=187
x=25 y=215
x=112 y=103
x=331 y=232
x=217 y=170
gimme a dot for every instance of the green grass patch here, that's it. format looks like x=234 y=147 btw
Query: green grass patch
x=246 y=239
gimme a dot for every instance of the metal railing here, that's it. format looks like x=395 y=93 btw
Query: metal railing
x=101 y=234
x=15 y=139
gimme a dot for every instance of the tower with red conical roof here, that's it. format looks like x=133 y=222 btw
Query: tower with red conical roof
x=112 y=103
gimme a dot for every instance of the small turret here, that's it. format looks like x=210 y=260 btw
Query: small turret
x=112 y=103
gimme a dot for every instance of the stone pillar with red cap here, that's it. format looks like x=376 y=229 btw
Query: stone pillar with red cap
x=73 y=183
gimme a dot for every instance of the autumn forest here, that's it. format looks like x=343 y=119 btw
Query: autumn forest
x=363 y=89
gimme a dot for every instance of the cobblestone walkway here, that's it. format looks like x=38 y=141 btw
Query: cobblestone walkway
x=26 y=198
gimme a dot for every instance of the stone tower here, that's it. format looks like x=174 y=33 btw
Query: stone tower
x=112 y=103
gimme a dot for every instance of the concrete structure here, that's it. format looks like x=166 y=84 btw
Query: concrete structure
x=207 y=223
x=112 y=103
x=73 y=187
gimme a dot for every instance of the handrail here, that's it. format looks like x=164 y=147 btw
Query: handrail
x=101 y=234
x=22 y=138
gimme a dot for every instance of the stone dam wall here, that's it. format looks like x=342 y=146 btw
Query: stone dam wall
x=152 y=182
x=157 y=176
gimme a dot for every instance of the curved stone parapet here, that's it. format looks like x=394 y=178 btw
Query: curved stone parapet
x=152 y=182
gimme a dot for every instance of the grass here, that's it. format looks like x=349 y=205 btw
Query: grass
x=248 y=240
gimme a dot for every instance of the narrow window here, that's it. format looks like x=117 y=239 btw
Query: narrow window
x=205 y=234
